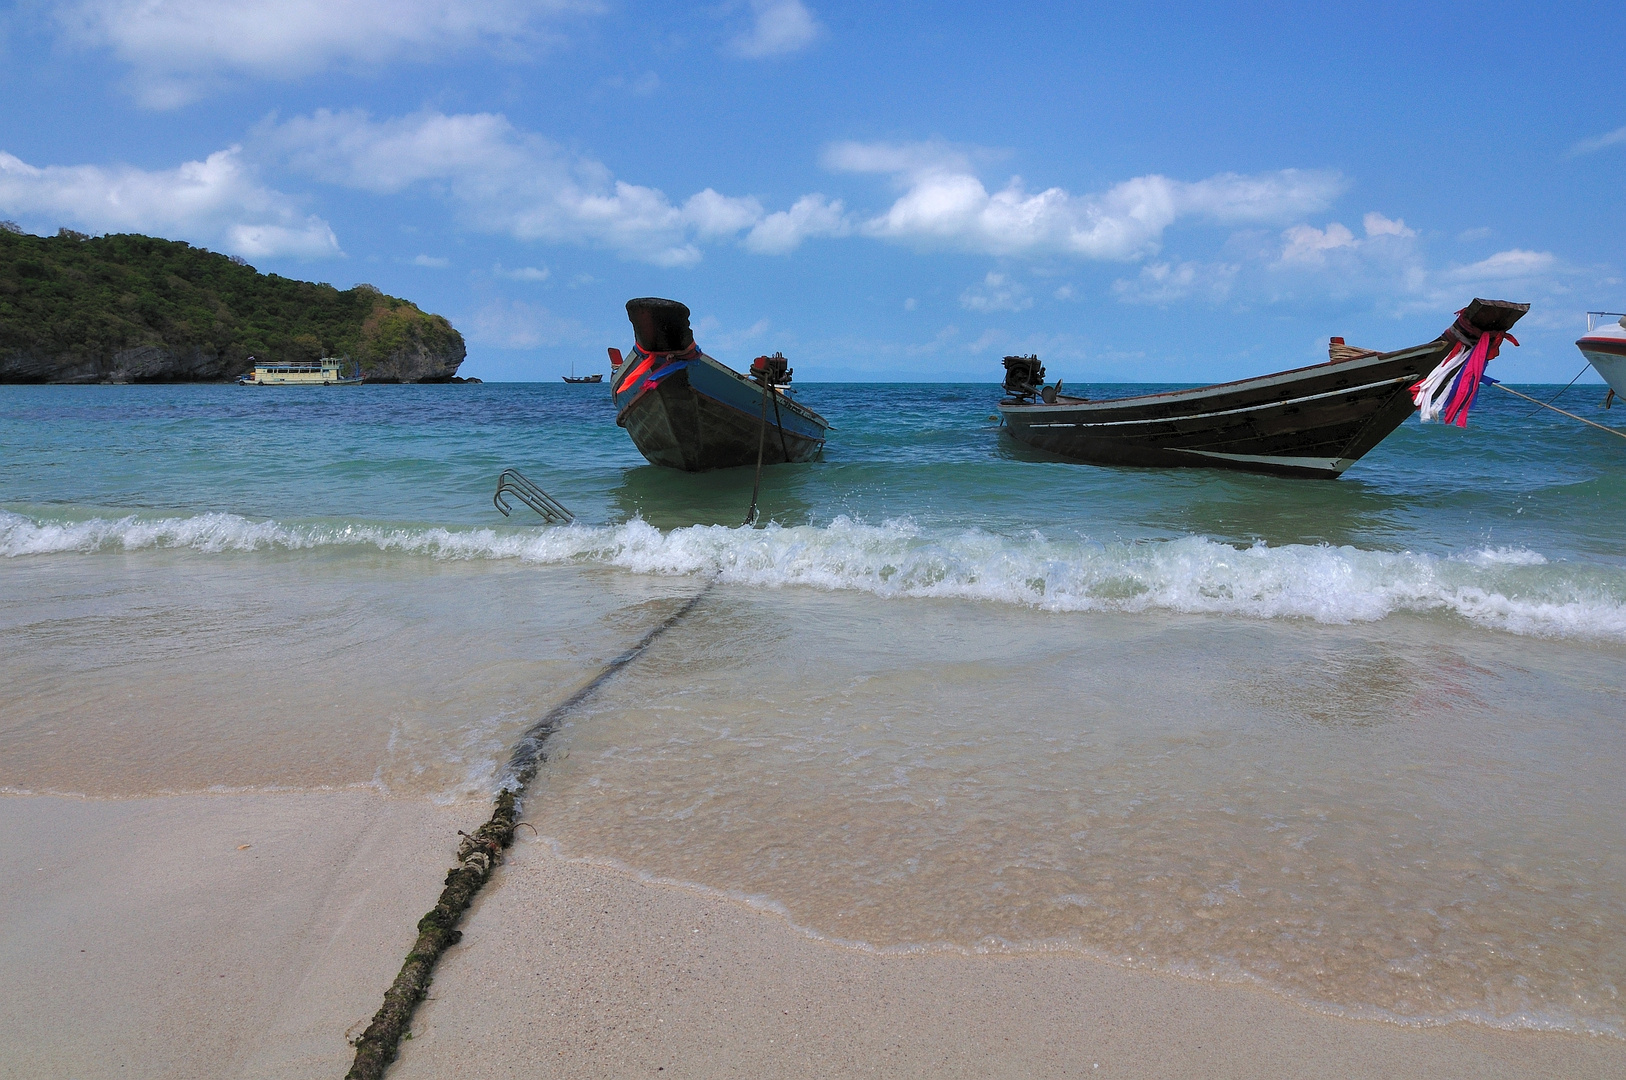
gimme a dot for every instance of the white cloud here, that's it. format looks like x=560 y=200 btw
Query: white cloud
x=777 y=27
x=515 y=324
x=726 y=341
x=945 y=204
x=524 y=273
x=713 y=215
x=1165 y=283
x=216 y=202
x=997 y=293
x=1505 y=266
x=1307 y=244
x=1378 y=225
x=1589 y=146
x=1516 y=274
x=181 y=49
x=784 y=231
x=432 y=261
x=1389 y=265
x=895 y=159
x=503 y=180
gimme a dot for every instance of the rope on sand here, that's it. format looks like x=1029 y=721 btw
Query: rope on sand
x=477 y=857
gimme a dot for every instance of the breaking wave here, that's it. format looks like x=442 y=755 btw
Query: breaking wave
x=1510 y=589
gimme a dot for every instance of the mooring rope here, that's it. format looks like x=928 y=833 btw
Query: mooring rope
x=1560 y=394
x=477 y=857
x=1555 y=408
x=779 y=423
x=762 y=441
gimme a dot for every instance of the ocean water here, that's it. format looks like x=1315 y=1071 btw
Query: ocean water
x=1357 y=742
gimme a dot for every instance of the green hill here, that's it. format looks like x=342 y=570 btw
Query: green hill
x=130 y=308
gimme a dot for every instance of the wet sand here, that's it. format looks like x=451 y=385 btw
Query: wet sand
x=247 y=933
x=575 y=970
x=140 y=939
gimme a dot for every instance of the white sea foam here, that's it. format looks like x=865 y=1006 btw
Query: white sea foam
x=1511 y=589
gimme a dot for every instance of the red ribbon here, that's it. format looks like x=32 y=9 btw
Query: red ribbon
x=1482 y=348
x=642 y=362
x=1466 y=387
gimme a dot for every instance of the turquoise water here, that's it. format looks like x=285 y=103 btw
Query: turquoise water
x=1356 y=742
x=1515 y=522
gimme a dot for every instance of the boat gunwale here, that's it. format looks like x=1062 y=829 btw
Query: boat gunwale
x=786 y=400
x=1253 y=408
x=1193 y=393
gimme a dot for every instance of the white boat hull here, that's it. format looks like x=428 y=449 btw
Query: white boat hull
x=1611 y=366
x=1604 y=347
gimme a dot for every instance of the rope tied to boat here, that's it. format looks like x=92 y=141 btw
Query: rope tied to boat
x=1549 y=405
x=770 y=371
x=1448 y=392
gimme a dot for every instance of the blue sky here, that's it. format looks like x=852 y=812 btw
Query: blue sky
x=1176 y=193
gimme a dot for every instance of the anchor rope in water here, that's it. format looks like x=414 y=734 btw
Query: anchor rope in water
x=771 y=370
x=762 y=441
x=477 y=857
x=1560 y=394
x=1601 y=427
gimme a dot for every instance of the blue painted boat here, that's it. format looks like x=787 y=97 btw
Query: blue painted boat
x=686 y=411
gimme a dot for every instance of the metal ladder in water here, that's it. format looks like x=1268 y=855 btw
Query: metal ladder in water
x=512 y=481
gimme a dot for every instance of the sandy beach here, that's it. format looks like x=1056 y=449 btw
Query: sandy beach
x=553 y=540
x=206 y=935
x=573 y=970
x=1156 y=843
x=142 y=938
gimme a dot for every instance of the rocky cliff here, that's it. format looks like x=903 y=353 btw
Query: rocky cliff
x=129 y=308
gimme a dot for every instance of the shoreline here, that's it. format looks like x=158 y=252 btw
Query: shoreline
x=575 y=969
x=210 y=960
x=1060 y=950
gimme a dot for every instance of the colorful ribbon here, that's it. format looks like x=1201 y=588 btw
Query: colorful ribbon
x=641 y=362
x=1448 y=392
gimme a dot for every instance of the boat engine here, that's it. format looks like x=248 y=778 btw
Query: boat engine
x=1023 y=376
x=771 y=370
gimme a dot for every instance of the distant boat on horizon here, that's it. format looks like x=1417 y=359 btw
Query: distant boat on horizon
x=575 y=378
x=328 y=371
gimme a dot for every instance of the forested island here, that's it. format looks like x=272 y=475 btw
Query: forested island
x=130 y=308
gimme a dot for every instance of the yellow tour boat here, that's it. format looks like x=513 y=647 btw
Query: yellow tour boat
x=324 y=372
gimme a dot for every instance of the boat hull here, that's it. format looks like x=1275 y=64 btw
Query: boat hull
x=1312 y=422
x=1607 y=354
x=696 y=415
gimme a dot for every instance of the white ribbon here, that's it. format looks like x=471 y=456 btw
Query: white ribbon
x=1430 y=394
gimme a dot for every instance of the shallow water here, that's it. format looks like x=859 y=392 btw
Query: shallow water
x=1396 y=822
x=1357 y=742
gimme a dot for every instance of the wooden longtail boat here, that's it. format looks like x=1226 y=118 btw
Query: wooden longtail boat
x=687 y=411
x=1308 y=422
